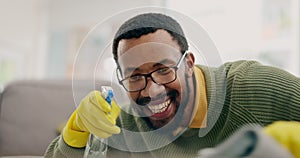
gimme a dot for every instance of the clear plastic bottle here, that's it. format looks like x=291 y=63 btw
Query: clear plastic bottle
x=97 y=147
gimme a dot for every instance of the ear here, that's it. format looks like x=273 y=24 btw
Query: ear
x=190 y=60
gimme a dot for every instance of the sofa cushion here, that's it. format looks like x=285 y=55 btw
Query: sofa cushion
x=31 y=111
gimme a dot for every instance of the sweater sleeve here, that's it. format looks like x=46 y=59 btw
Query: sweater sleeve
x=59 y=149
x=268 y=93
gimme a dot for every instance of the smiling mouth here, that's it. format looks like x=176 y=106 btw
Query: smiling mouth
x=155 y=109
x=159 y=108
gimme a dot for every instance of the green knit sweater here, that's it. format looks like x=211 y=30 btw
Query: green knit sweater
x=254 y=94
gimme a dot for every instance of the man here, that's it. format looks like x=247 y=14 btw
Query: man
x=173 y=100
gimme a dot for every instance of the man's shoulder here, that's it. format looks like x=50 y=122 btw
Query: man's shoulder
x=249 y=69
x=231 y=69
x=231 y=65
x=245 y=73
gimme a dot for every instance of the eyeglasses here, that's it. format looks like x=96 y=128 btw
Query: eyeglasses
x=160 y=76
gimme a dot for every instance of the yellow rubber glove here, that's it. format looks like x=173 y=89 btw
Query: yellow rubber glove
x=93 y=115
x=286 y=133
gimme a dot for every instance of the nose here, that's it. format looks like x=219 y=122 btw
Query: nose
x=152 y=89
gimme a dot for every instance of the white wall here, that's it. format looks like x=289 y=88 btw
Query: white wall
x=71 y=13
x=263 y=30
x=27 y=27
x=22 y=36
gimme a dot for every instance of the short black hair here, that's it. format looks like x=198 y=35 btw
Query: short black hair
x=148 y=23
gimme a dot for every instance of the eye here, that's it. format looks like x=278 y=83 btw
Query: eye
x=135 y=78
x=164 y=71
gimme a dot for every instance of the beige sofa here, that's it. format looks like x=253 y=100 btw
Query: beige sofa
x=31 y=111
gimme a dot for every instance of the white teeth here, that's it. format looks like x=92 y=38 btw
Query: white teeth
x=160 y=107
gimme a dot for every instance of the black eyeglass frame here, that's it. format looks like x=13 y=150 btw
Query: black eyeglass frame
x=150 y=75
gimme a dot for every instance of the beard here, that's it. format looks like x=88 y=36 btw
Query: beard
x=182 y=116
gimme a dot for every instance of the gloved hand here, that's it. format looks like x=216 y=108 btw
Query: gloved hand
x=93 y=115
x=286 y=133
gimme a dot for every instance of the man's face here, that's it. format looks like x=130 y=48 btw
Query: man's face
x=150 y=53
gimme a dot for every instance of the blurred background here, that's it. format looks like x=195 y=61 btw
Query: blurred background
x=39 y=39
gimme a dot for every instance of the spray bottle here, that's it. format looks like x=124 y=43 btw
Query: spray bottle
x=97 y=147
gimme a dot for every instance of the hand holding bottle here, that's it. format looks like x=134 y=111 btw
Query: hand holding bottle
x=93 y=115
